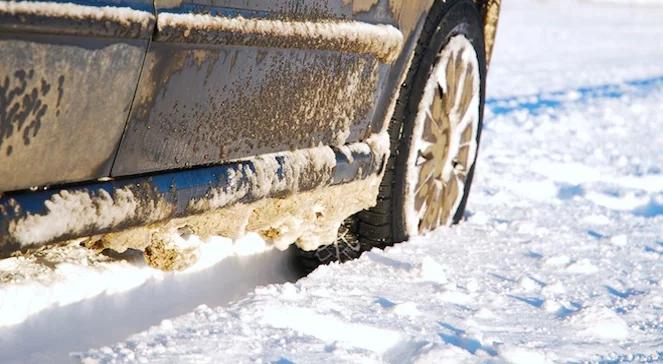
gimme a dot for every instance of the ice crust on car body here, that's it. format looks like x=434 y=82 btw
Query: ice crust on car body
x=72 y=211
x=122 y=16
x=309 y=218
x=286 y=197
x=380 y=40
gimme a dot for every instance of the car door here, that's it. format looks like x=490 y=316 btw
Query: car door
x=68 y=73
x=229 y=79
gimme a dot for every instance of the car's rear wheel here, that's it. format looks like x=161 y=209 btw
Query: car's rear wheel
x=435 y=132
x=437 y=127
x=442 y=148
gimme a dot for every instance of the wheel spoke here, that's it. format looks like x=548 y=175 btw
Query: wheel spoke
x=451 y=80
x=467 y=92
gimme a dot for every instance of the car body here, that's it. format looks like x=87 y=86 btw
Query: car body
x=117 y=115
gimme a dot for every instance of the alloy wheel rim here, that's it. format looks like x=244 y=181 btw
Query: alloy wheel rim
x=444 y=138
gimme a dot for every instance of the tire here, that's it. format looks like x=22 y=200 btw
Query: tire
x=452 y=26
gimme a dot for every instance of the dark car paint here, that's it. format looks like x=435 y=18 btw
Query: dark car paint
x=66 y=87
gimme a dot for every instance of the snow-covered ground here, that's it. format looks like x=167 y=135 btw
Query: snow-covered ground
x=560 y=259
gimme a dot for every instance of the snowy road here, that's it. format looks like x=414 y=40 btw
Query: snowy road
x=560 y=259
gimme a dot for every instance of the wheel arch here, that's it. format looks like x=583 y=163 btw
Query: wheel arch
x=490 y=14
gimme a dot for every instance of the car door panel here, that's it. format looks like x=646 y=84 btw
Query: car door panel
x=229 y=89
x=67 y=80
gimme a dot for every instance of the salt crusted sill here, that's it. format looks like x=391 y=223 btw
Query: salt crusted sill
x=292 y=197
x=309 y=219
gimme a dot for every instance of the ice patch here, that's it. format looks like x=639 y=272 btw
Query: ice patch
x=444 y=354
x=619 y=240
x=28 y=285
x=556 y=288
x=455 y=297
x=627 y=202
x=433 y=271
x=528 y=284
x=474 y=346
x=551 y=306
x=479 y=218
x=649 y=183
x=535 y=190
x=330 y=329
x=583 y=266
x=473 y=285
x=600 y=323
x=484 y=313
x=520 y=355
x=596 y=220
x=572 y=173
x=558 y=261
x=406 y=309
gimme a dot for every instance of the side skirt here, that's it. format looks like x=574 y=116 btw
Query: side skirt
x=30 y=219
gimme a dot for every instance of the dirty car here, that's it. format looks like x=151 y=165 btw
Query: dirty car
x=323 y=123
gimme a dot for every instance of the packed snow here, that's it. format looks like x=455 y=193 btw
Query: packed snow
x=560 y=258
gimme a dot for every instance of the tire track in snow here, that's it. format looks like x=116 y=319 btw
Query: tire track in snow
x=545 y=101
x=52 y=333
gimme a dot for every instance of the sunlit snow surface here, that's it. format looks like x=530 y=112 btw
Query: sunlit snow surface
x=561 y=256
